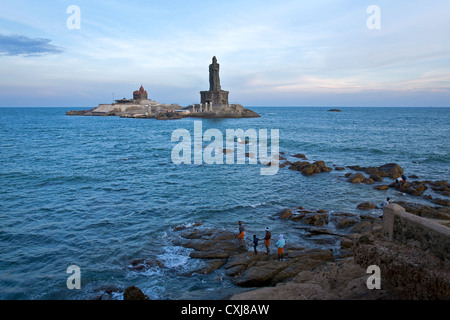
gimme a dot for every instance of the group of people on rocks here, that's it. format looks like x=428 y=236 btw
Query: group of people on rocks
x=281 y=243
x=399 y=182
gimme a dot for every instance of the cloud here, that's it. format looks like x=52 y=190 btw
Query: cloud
x=17 y=45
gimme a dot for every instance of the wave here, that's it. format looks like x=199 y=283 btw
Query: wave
x=177 y=258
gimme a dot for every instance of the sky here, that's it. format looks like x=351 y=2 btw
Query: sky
x=271 y=53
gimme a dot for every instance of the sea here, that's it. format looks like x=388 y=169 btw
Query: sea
x=98 y=192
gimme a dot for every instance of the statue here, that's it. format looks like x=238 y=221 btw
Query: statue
x=214 y=79
x=215 y=96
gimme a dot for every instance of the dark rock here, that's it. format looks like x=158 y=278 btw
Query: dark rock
x=356 y=178
x=308 y=169
x=286 y=214
x=441 y=202
x=300 y=155
x=368 y=181
x=316 y=219
x=391 y=170
x=376 y=177
x=320 y=164
x=382 y=187
x=343 y=222
x=440 y=187
x=417 y=274
x=134 y=293
x=259 y=275
x=415 y=188
x=168 y=116
x=441 y=213
x=367 y=206
x=284 y=164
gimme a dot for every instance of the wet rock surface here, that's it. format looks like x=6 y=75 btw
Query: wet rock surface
x=220 y=249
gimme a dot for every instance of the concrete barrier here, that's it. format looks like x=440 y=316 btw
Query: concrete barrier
x=423 y=233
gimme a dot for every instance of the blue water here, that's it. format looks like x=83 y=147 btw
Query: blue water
x=99 y=191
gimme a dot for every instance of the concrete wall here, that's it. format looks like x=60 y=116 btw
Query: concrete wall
x=408 y=228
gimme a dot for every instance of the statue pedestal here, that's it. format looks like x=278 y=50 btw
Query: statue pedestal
x=216 y=97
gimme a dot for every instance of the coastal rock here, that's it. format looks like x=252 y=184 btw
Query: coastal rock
x=415 y=188
x=440 y=187
x=269 y=271
x=332 y=280
x=259 y=275
x=334 y=110
x=168 y=116
x=141 y=264
x=367 y=206
x=286 y=214
x=382 y=187
x=391 y=170
x=219 y=249
x=300 y=156
x=440 y=213
x=344 y=220
x=284 y=164
x=442 y=202
x=417 y=275
x=316 y=219
x=134 y=293
x=376 y=177
x=356 y=178
x=307 y=168
x=368 y=181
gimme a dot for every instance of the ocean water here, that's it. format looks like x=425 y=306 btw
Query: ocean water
x=97 y=192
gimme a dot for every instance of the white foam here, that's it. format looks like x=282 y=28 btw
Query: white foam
x=176 y=257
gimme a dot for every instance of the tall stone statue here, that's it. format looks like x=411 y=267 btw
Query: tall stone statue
x=215 y=97
x=214 y=79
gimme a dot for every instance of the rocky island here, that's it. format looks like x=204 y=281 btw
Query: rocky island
x=213 y=104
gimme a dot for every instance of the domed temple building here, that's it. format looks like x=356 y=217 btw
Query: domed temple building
x=140 y=94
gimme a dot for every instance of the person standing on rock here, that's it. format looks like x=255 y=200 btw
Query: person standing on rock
x=398 y=183
x=280 y=245
x=241 y=234
x=255 y=243
x=267 y=238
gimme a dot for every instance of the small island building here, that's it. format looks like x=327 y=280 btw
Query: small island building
x=139 y=106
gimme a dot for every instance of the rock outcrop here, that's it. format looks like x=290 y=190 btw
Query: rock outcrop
x=333 y=280
x=220 y=249
x=416 y=274
x=367 y=205
x=307 y=168
x=421 y=210
x=134 y=293
x=390 y=170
